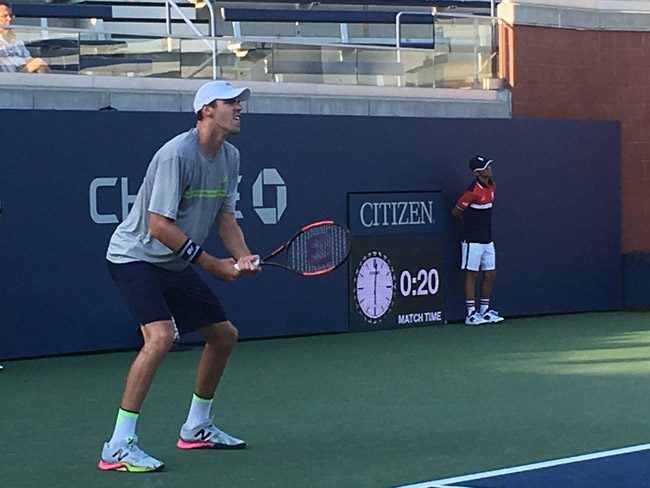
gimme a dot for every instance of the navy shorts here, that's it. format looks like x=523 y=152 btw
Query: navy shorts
x=153 y=294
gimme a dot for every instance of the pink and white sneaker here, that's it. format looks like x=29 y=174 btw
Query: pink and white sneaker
x=207 y=436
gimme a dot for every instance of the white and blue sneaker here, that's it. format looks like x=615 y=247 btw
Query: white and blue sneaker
x=127 y=456
x=475 y=319
x=207 y=436
x=492 y=317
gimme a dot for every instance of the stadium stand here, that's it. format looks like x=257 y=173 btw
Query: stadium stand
x=67 y=11
x=336 y=17
x=131 y=38
x=118 y=17
x=148 y=17
x=75 y=54
x=322 y=23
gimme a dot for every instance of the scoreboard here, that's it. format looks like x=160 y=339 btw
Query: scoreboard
x=395 y=266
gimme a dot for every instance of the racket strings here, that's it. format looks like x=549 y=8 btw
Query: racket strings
x=318 y=248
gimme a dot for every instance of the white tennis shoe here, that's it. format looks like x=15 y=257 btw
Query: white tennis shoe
x=492 y=317
x=127 y=456
x=475 y=319
x=207 y=436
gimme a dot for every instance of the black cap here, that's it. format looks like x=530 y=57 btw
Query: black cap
x=479 y=163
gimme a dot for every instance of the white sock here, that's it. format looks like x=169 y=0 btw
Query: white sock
x=471 y=307
x=124 y=426
x=199 y=411
x=485 y=305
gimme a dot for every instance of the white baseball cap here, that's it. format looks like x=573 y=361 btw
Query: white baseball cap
x=218 y=90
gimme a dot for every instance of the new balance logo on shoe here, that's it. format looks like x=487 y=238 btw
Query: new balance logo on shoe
x=203 y=434
x=120 y=454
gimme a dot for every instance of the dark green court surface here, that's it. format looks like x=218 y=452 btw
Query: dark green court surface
x=374 y=409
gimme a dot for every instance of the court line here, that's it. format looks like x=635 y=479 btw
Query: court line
x=447 y=486
x=442 y=483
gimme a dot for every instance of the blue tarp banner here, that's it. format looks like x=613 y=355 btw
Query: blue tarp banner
x=68 y=177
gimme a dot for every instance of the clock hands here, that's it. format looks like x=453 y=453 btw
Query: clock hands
x=374 y=291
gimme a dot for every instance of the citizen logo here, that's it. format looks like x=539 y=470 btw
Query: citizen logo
x=415 y=212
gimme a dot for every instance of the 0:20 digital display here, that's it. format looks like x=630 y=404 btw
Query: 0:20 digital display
x=423 y=283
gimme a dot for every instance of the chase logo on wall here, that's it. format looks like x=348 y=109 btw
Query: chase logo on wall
x=114 y=196
x=269 y=214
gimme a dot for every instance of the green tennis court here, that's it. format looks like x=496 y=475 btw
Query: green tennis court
x=372 y=409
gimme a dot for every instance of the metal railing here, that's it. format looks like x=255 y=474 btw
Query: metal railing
x=461 y=57
x=172 y=5
x=476 y=61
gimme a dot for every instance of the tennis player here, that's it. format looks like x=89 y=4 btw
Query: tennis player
x=190 y=185
x=474 y=208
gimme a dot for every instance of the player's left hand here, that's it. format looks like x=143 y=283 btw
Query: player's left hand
x=247 y=266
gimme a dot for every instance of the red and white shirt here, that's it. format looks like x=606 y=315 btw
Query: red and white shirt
x=476 y=203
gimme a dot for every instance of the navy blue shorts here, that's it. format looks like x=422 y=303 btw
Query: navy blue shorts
x=153 y=294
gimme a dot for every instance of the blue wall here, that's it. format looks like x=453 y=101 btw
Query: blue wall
x=556 y=218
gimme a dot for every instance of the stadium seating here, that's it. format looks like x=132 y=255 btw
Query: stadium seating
x=334 y=17
x=62 y=11
x=325 y=24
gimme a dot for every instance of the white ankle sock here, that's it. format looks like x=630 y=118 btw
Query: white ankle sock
x=199 y=411
x=124 y=426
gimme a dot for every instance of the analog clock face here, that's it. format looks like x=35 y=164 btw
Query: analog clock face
x=374 y=286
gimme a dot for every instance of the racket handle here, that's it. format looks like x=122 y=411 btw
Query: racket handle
x=256 y=263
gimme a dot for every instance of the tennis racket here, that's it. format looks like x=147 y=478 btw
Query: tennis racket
x=316 y=249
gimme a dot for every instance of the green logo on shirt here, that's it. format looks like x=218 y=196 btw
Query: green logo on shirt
x=205 y=193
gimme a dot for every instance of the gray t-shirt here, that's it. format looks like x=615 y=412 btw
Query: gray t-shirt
x=13 y=54
x=182 y=183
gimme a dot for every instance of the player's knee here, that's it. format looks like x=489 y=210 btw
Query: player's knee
x=223 y=335
x=160 y=341
x=229 y=335
x=490 y=275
